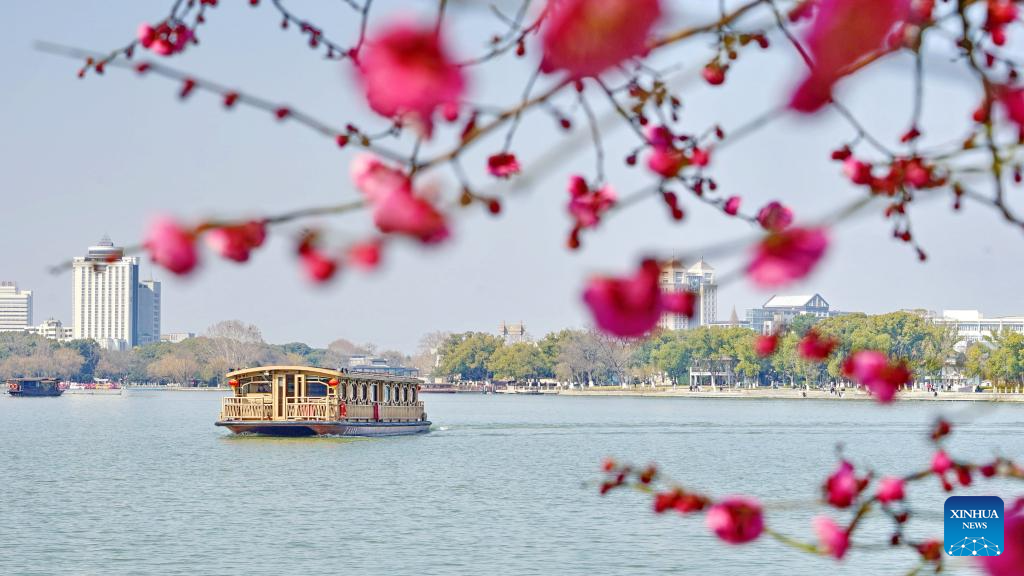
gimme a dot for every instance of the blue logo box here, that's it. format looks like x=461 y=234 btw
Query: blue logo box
x=973 y=526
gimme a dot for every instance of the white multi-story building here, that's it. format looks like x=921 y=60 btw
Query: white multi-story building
x=972 y=326
x=106 y=304
x=779 y=311
x=15 y=308
x=699 y=279
x=175 y=337
x=53 y=329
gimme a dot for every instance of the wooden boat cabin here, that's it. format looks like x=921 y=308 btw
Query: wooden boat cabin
x=28 y=387
x=305 y=401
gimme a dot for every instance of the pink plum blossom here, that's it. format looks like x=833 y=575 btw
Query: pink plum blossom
x=365 y=255
x=236 y=242
x=586 y=37
x=815 y=347
x=1012 y=100
x=773 y=217
x=1011 y=561
x=941 y=463
x=164 y=39
x=631 y=306
x=317 y=266
x=627 y=307
x=832 y=539
x=679 y=302
x=406 y=71
x=736 y=520
x=586 y=206
x=396 y=208
x=890 y=489
x=875 y=372
x=844 y=32
x=843 y=486
x=787 y=255
x=171 y=246
x=766 y=344
x=503 y=165
x=732 y=205
x=403 y=213
x=375 y=179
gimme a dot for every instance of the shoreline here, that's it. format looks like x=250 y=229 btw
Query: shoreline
x=789 y=394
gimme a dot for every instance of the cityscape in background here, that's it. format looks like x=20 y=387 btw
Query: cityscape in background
x=114 y=307
x=110 y=303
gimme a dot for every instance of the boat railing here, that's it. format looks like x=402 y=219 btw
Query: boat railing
x=246 y=408
x=359 y=411
x=401 y=413
x=305 y=408
x=317 y=408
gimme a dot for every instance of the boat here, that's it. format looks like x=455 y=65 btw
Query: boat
x=31 y=387
x=308 y=401
x=100 y=387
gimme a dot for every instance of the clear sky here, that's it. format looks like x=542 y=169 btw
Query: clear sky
x=83 y=158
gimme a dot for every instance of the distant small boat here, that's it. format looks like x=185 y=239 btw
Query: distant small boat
x=98 y=388
x=306 y=401
x=33 y=387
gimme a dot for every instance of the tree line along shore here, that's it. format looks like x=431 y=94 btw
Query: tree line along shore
x=569 y=358
x=199 y=361
x=588 y=358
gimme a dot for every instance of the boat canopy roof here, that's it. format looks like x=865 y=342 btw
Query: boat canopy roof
x=340 y=374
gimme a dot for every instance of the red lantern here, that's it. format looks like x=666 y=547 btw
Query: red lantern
x=233 y=383
x=332 y=382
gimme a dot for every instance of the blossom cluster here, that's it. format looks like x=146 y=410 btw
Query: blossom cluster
x=411 y=75
x=742 y=519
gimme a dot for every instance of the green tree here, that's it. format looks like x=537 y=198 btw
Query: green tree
x=90 y=352
x=466 y=356
x=519 y=362
x=1005 y=363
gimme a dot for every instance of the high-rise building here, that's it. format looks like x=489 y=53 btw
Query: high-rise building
x=15 y=308
x=107 y=304
x=149 y=312
x=699 y=279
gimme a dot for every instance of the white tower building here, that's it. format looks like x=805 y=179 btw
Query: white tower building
x=15 y=308
x=107 y=301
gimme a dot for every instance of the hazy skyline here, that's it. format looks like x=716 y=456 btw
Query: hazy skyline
x=84 y=158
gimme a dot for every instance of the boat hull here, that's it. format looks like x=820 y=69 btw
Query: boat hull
x=322 y=428
x=35 y=393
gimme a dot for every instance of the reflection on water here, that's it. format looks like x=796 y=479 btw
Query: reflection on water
x=145 y=484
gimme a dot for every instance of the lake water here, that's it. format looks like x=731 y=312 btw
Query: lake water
x=145 y=484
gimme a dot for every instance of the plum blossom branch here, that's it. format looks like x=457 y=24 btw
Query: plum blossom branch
x=267 y=221
x=317 y=39
x=231 y=97
x=595 y=133
x=739 y=520
x=411 y=77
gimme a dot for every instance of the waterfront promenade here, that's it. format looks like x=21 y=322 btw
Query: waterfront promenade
x=788 y=394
